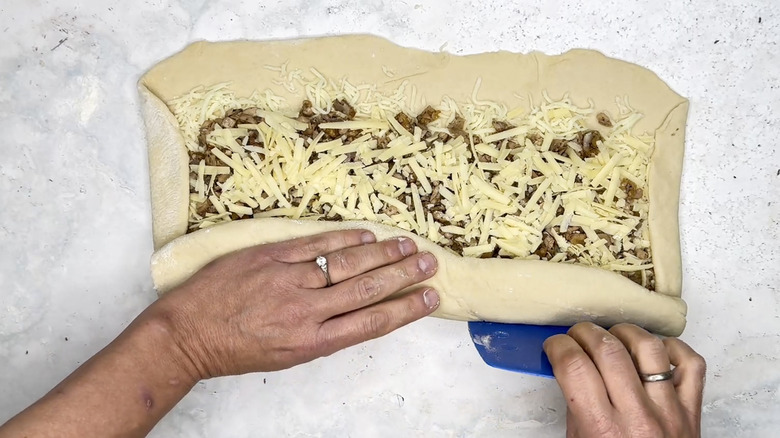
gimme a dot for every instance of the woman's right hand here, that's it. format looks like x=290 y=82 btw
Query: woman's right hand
x=268 y=307
x=599 y=374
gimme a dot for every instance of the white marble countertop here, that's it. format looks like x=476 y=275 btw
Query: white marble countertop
x=75 y=224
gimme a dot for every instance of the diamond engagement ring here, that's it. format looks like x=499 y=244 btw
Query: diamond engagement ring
x=660 y=377
x=322 y=262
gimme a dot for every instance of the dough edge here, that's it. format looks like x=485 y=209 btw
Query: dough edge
x=169 y=178
x=616 y=299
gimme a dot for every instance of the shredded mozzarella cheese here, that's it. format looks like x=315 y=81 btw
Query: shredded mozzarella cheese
x=504 y=191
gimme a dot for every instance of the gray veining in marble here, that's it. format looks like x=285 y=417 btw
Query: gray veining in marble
x=75 y=228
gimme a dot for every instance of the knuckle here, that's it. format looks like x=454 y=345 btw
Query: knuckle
x=347 y=263
x=296 y=312
x=649 y=428
x=412 y=306
x=348 y=237
x=650 y=347
x=321 y=343
x=402 y=271
x=377 y=324
x=609 y=347
x=315 y=246
x=604 y=426
x=697 y=364
x=390 y=250
x=575 y=363
x=367 y=288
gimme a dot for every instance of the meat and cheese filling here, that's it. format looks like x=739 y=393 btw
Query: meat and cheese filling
x=557 y=183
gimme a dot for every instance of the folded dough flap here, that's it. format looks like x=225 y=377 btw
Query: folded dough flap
x=497 y=290
x=168 y=170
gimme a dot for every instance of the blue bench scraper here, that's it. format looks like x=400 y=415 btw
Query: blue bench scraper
x=514 y=347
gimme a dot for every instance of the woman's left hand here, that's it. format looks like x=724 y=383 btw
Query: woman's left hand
x=269 y=307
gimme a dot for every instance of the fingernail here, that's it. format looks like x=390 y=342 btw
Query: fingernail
x=431 y=298
x=427 y=263
x=368 y=237
x=406 y=246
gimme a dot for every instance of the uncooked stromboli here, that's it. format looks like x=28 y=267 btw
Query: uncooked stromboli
x=476 y=178
x=541 y=165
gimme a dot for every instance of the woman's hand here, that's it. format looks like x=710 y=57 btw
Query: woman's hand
x=598 y=371
x=268 y=307
x=260 y=309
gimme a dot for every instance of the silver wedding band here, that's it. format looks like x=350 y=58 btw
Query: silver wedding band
x=660 y=377
x=322 y=262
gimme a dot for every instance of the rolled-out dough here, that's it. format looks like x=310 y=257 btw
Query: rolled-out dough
x=471 y=289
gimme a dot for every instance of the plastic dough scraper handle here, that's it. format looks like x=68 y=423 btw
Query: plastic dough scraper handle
x=514 y=347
